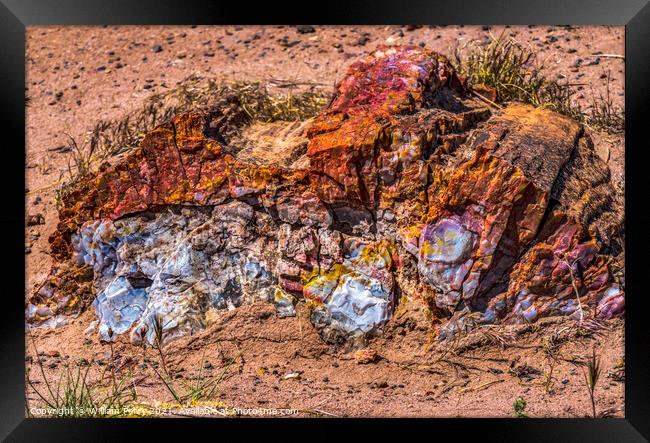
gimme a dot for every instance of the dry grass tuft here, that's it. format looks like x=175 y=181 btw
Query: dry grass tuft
x=109 y=138
x=73 y=396
x=200 y=387
x=592 y=375
x=512 y=69
x=117 y=136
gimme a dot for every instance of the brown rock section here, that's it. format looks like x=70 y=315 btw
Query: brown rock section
x=503 y=191
x=509 y=215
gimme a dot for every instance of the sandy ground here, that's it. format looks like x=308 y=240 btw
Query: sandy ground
x=77 y=75
x=256 y=356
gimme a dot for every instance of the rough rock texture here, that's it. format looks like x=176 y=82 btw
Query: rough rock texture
x=412 y=189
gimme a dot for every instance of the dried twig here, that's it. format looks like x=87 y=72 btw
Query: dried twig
x=612 y=56
x=575 y=289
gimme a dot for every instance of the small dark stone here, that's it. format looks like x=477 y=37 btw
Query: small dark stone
x=34 y=220
x=382 y=384
x=326 y=379
x=363 y=40
x=284 y=41
x=101 y=69
x=207 y=365
x=305 y=29
x=156 y=48
x=565 y=381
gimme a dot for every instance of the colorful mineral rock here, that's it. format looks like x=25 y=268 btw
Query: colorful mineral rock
x=413 y=189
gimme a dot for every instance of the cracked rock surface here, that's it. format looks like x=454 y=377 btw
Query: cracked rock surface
x=413 y=189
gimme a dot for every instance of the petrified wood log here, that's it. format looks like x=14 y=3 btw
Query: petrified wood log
x=413 y=189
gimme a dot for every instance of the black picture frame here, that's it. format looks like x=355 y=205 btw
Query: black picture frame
x=15 y=15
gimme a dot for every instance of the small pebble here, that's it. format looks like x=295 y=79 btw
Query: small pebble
x=305 y=29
